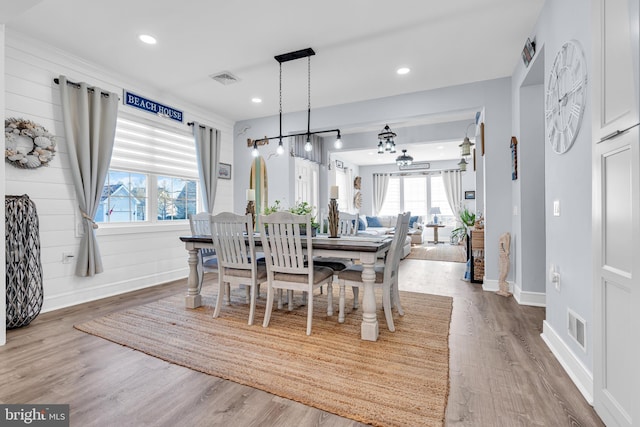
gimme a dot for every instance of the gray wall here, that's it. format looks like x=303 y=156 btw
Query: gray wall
x=567 y=179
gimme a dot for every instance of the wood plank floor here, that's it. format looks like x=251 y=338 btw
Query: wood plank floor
x=501 y=372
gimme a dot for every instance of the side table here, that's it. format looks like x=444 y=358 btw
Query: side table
x=435 y=231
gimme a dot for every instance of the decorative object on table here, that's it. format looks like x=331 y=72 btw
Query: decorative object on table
x=503 y=249
x=333 y=212
x=514 y=158
x=23 y=266
x=304 y=208
x=435 y=211
x=28 y=145
x=251 y=205
x=224 y=171
x=566 y=97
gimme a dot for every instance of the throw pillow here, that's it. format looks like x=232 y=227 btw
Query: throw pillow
x=413 y=220
x=362 y=225
x=373 y=221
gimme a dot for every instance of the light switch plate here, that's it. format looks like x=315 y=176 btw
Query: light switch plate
x=556 y=208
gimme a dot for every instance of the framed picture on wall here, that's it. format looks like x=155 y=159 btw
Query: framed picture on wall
x=339 y=164
x=224 y=171
x=469 y=195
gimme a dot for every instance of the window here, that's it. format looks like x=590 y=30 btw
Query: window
x=417 y=193
x=153 y=175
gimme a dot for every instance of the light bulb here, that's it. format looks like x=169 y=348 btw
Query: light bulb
x=255 y=152
x=308 y=146
x=338 y=143
x=280 y=148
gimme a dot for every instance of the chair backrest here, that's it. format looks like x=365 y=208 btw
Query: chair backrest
x=347 y=224
x=281 y=237
x=201 y=226
x=232 y=237
x=392 y=260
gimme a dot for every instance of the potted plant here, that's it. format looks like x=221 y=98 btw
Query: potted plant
x=300 y=208
x=467 y=219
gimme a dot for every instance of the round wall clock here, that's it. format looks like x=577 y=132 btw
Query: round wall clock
x=565 y=97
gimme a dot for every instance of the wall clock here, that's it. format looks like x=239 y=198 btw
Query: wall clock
x=565 y=97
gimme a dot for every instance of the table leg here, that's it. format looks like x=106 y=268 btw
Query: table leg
x=369 y=328
x=435 y=235
x=193 y=299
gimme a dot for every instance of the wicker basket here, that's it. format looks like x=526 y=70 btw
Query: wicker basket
x=24 y=269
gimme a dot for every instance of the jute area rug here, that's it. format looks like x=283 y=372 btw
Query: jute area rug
x=400 y=380
x=440 y=252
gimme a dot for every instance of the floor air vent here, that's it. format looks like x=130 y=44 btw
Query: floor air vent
x=225 y=77
x=576 y=326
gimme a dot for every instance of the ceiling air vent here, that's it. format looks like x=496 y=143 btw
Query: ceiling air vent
x=224 y=77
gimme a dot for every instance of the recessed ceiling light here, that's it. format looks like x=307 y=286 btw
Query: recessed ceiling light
x=256 y=100
x=146 y=38
x=440 y=147
x=403 y=70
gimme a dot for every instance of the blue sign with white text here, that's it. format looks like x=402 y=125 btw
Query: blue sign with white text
x=152 y=106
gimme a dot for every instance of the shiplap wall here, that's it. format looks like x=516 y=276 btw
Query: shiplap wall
x=134 y=257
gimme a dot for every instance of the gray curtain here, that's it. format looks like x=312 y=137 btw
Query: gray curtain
x=207 y=141
x=380 y=186
x=89 y=116
x=315 y=155
x=452 y=181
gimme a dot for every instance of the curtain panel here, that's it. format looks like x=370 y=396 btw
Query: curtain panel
x=207 y=141
x=452 y=181
x=317 y=152
x=89 y=117
x=380 y=186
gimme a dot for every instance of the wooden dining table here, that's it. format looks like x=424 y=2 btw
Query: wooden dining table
x=364 y=249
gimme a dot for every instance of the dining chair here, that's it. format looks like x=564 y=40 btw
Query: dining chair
x=232 y=237
x=289 y=263
x=347 y=226
x=207 y=259
x=386 y=275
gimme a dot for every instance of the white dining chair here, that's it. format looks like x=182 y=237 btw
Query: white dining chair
x=232 y=237
x=290 y=265
x=207 y=259
x=386 y=276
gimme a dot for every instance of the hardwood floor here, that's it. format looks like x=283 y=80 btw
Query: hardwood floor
x=501 y=372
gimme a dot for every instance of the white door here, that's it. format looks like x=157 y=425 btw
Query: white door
x=306 y=181
x=616 y=213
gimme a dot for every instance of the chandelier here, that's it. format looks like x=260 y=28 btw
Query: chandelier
x=404 y=159
x=385 y=141
x=254 y=143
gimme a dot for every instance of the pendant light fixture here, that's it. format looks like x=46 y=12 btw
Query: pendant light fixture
x=308 y=146
x=404 y=159
x=462 y=164
x=385 y=141
x=465 y=148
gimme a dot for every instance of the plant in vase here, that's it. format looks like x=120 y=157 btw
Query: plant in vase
x=467 y=219
x=304 y=208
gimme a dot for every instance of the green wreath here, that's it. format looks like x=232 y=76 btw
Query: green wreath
x=28 y=145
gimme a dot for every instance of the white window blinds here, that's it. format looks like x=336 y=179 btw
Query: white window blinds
x=150 y=149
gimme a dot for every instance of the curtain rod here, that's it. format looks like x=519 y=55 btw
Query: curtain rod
x=193 y=123
x=77 y=85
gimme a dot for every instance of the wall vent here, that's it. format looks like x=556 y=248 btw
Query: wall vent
x=576 y=326
x=225 y=78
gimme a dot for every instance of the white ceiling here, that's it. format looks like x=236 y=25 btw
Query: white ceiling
x=358 y=43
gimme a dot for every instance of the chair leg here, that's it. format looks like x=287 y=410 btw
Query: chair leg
x=329 y=299
x=221 y=287
x=309 y=313
x=258 y=290
x=228 y=300
x=341 y=304
x=356 y=293
x=279 y=299
x=252 y=304
x=267 y=311
x=248 y=289
x=396 y=297
x=386 y=304
x=290 y=298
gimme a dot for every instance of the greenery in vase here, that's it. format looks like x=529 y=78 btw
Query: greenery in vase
x=468 y=220
x=301 y=208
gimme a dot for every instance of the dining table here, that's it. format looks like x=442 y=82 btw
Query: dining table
x=364 y=249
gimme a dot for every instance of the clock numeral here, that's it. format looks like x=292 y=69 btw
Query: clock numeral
x=575 y=110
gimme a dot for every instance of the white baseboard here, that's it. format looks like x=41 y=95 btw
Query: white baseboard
x=579 y=374
x=536 y=299
x=68 y=299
